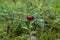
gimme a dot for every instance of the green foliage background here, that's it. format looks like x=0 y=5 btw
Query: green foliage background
x=45 y=12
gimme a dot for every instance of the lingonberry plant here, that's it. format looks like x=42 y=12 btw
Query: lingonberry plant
x=30 y=19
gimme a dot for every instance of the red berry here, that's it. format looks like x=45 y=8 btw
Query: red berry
x=30 y=17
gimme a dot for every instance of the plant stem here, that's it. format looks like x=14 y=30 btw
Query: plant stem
x=30 y=30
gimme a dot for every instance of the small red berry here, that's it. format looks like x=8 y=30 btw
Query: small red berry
x=30 y=17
